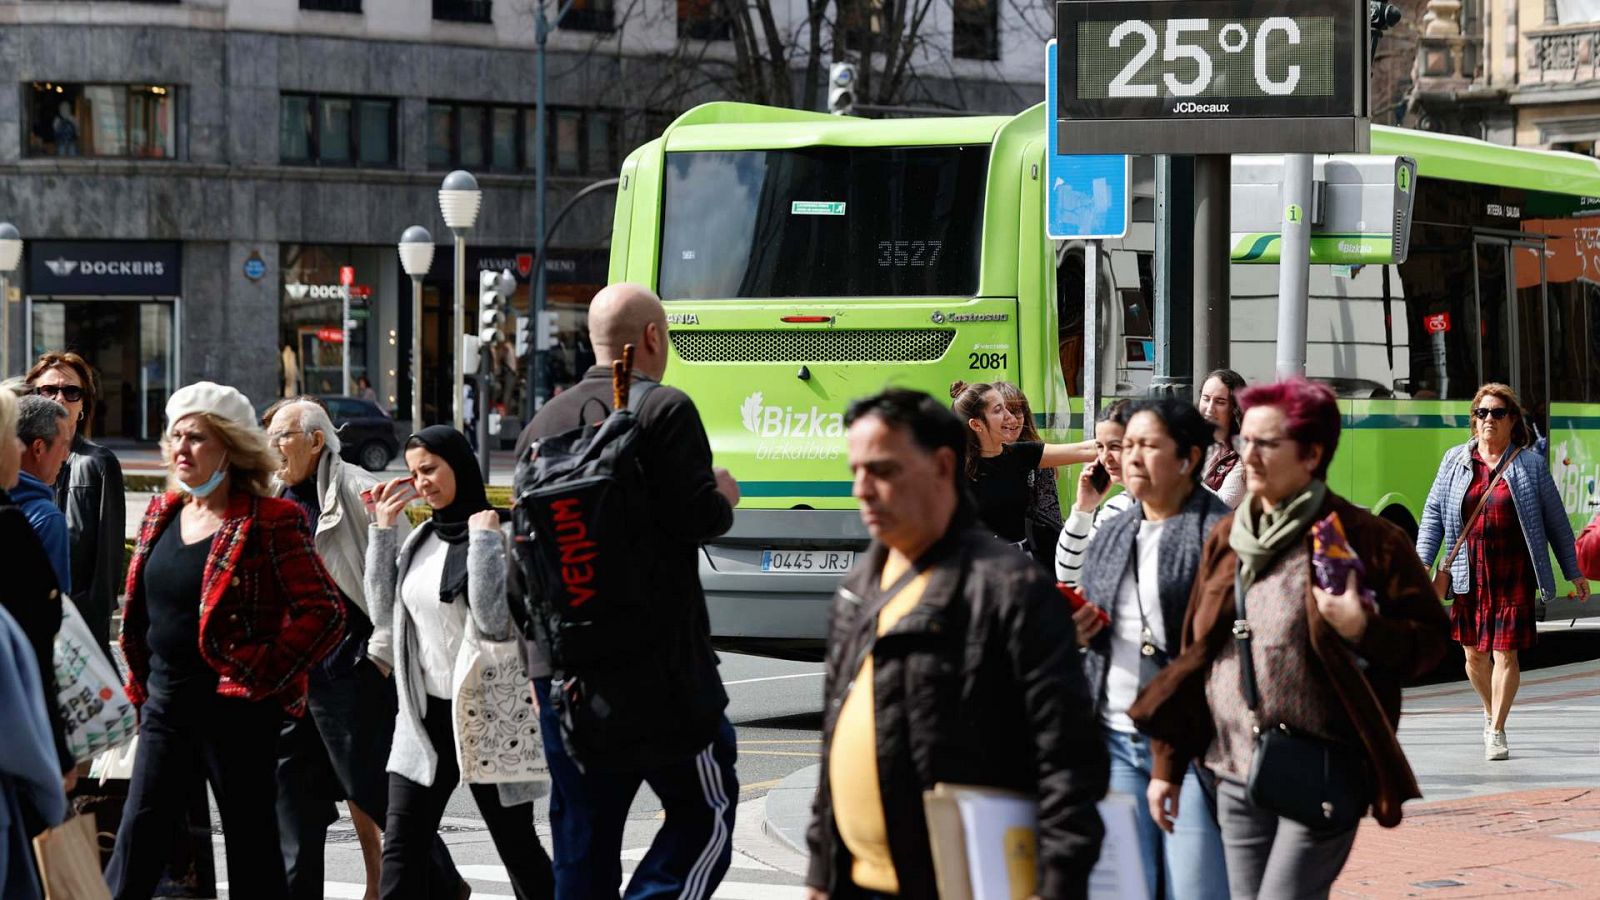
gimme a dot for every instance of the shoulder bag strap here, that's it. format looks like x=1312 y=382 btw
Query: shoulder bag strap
x=879 y=600
x=1461 y=539
x=1241 y=639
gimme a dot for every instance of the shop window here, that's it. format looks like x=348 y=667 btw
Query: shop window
x=105 y=120
x=977 y=29
x=590 y=15
x=704 y=20
x=342 y=6
x=336 y=131
x=503 y=138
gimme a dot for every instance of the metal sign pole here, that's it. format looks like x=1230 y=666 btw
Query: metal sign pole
x=5 y=326
x=1091 y=337
x=1294 y=264
x=1212 y=186
x=344 y=349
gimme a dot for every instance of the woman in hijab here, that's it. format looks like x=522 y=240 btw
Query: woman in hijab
x=421 y=594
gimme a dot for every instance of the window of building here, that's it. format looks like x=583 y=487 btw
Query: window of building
x=340 y=6
x=704 y=20
x=977 y=29
x=323 y=130
x=862 y=22
x=590 y=15
x=503 y=139
x=569 y=136
x=441 y=135
x=469 y=137
x=122 y=120
x=463 y=10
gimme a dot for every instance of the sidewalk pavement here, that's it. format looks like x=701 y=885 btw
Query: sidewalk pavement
x=1528 y=825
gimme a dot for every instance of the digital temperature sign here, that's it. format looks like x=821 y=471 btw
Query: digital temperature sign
x=1212 y=76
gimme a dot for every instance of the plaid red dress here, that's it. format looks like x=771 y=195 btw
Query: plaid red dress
x=1497 y=612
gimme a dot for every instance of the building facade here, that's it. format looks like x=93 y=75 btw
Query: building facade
x=1519 y=72
x=190 y=177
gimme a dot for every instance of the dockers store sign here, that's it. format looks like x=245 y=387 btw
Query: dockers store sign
x=104 y=268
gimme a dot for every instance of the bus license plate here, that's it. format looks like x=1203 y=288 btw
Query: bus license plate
x=813 y=562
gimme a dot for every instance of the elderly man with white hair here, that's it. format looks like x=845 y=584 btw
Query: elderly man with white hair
x=341 y=748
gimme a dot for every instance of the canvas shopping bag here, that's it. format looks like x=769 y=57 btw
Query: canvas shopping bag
x=97 y=713
x=496 y=727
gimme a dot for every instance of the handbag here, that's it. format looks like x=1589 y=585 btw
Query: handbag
x=1318 y=783
x=94 y=708
x=69 y=861
x=1441 y=576
x=496 y=726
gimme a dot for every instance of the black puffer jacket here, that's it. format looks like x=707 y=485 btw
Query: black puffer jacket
x=979 y=684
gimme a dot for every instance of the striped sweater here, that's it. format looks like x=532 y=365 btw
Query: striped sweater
x=1079 y=530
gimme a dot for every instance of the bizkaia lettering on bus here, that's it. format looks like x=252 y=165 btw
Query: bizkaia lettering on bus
x=792 y=432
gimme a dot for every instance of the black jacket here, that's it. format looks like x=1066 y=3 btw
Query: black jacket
x=687 y=510
x=31 y=597
x=89 y=492
x=979 y=684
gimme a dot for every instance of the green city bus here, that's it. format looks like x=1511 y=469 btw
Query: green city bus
x=808 y=259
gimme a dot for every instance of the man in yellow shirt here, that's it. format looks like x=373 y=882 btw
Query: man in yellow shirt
x=951 y=659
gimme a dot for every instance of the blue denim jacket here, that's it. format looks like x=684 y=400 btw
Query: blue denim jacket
x=1539 y=510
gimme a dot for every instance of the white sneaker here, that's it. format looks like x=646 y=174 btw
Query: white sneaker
x=1496 y=748
x=1488 y=727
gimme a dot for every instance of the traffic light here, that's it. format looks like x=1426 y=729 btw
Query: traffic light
x=547 y=329
x=842 y=88
x=524 y=336
x=494 y=297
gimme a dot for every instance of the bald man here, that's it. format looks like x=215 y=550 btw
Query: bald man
x=689 y=761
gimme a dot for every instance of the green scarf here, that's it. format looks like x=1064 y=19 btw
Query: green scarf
x=1259 y=536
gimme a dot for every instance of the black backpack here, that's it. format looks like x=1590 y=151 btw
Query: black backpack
x=582 y=521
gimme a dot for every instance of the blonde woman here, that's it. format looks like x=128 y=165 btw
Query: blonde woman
x=228 y=608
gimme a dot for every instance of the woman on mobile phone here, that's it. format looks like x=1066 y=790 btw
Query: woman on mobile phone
x=453 y=565
x=1139 y=570
x=1090 y=506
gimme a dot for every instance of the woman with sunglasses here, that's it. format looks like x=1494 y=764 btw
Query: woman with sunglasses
x=88 y=491
x=1502 y=565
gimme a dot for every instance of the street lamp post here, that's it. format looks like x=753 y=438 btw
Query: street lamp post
x=541 y=37
x=459 y=199
x=416 y=257
x=10 y=255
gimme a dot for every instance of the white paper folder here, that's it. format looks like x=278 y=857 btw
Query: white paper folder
x=985 y=845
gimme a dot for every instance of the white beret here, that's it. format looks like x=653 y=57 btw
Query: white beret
x=218 y=400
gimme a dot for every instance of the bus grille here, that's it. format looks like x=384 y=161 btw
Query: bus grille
x=814 y=345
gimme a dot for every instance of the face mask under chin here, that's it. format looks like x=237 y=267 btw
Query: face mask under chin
x=205 y=488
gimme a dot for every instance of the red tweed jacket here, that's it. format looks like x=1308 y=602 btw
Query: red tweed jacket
x=269 y=611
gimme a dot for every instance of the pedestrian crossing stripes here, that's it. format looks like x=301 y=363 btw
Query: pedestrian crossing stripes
x=740 y=867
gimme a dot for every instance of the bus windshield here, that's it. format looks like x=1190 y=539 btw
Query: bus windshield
x=822 y=222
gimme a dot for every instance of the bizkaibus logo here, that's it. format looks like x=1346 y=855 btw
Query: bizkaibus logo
x=788 y=421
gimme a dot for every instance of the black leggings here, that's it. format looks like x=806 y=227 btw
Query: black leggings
x=415 y=811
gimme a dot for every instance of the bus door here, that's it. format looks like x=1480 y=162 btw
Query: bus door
x=1512 y=324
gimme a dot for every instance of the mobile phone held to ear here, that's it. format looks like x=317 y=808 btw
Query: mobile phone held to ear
x=1076 y=601
x=407 y=488
x=1099 y=478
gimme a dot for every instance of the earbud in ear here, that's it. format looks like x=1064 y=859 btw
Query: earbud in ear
x=1184 y=467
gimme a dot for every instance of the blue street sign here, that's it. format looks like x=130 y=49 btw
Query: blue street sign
x=1085 y=196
